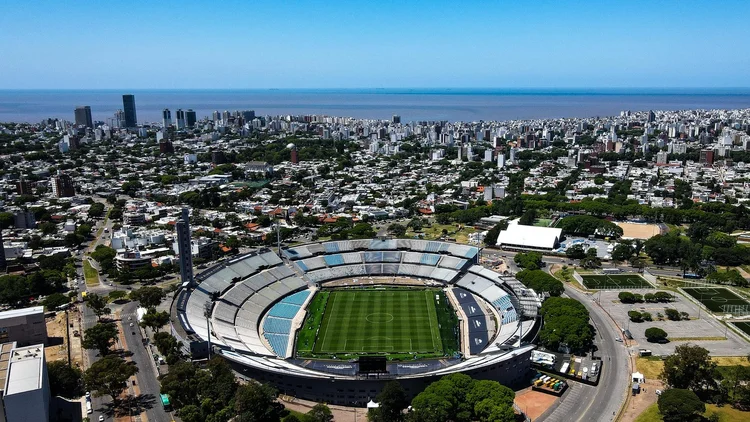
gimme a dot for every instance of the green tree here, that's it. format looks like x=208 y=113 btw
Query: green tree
x=154 y=320
x=65 y=380
x=319 y=413
x=97 y=304
x=566 y=322
x=257 y=403
x=108 y=375
x=392 y=401
x=100 y=337
x=491 y=238
x=622 y=252
x=7 y=220
x=575 y=252
x=680 y=405
x=397 y=230
x=55 y=300
x=150 y=297
x=96 y=210
x=529 y=260
x=656 y=335
x=541 y=282
x=168 y=346
x=690 y=367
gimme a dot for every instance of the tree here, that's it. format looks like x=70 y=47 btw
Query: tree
x=541 y=282
x=566 y=322
x=55 y=300
x=108 y=375
x=575 y=252
x=65 y=380
x=622 y=252
x=656 y=335
x=150 y=297
x=98 y=304
x=635 y=316
x=100 y=337
x=257 y=403
x=7 y=220
x=690 y=367
x=392 y=400
x=680 y=405
x=96 y=210
x=529 y=260
x=154 y=320
x=528 y=217
x=168 y=346
x=319 y=413
x=397 y=230
x=459 y=398
x=491 y=238
x=116 y=295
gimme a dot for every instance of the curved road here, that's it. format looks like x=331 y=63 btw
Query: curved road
x=601 y=403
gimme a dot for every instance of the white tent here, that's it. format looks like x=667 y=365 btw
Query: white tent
x=638 y=377
x=372 y=405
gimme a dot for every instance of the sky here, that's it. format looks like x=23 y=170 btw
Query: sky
x=373 y=44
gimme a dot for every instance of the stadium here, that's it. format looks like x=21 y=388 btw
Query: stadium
x=334 y=321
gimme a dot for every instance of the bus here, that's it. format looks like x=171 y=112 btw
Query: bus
x=165 y=402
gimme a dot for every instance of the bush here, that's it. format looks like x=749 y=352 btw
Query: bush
x=646 y=316
x=628 y=297
x=541 y=282
x=655 y=335
x=672 y=314
x=635 y=316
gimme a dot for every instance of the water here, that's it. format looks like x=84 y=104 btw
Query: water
x=410 y=104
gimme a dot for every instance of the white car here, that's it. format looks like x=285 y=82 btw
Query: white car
x=101 y=418
x=88 y=395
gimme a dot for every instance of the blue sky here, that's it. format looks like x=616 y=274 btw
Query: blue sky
x=374 y=44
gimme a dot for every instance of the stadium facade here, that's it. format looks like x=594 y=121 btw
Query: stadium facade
x=255 y=304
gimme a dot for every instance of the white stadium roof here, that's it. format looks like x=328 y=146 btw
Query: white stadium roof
x=529 y=236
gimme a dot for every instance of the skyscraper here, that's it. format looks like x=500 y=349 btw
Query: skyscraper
x=83 y=116
x=190 y=118
x=166 y=118
x=184 y=248
x=128 y=106
x=179 y=119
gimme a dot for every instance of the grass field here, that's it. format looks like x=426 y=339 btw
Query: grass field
x=718 y=299
x=397 y=322
x=725 y=413
x=615 y=281
x=90 y=274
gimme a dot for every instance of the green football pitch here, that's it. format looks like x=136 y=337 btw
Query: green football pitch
x=615 y=281
x=388 y=321
x=719 y=300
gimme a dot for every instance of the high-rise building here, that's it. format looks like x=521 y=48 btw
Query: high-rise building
x=184 y=248
x=190 y=118
x=3 y=263
x=166 y=118
x=396 y=119
x=118 y=120
x=62 y=185
x=706 y=156
x=128 y=107
x=248 y=115
x=216 y=116
x=180 y=119
x=83 y=116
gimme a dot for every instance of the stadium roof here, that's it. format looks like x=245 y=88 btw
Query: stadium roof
x=529 y=236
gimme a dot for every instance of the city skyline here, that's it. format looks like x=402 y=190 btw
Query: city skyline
x=345 y=45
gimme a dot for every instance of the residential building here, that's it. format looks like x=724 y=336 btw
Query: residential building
x=166 y=118
x=62 y=186
x=190 y=118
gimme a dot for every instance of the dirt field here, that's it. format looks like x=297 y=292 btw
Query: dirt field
x=58 y=343
x=639 y=231
x=534 y=403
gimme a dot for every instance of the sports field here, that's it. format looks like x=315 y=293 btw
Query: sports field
x=719 y=300
x=386 y=321
x=615 y=281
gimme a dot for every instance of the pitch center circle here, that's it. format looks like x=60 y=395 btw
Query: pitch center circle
x=379 y=318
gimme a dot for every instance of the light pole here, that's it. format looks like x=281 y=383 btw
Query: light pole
x=207 y=314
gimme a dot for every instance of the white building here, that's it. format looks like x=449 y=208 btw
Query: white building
x=529 y=237
x=26 y=391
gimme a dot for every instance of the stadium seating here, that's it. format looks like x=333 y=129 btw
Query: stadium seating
x=334 y=260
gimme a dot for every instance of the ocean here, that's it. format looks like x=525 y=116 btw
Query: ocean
x=411 y=104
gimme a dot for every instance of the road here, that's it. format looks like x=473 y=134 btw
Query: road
x=146 y=382
x=601 y=403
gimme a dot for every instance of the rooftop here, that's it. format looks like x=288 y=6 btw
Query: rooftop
x=25 y=369
x=13 y=313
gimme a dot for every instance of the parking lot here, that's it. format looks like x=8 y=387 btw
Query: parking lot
x=694 y=329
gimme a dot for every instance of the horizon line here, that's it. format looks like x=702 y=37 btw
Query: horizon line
x=628 y=88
